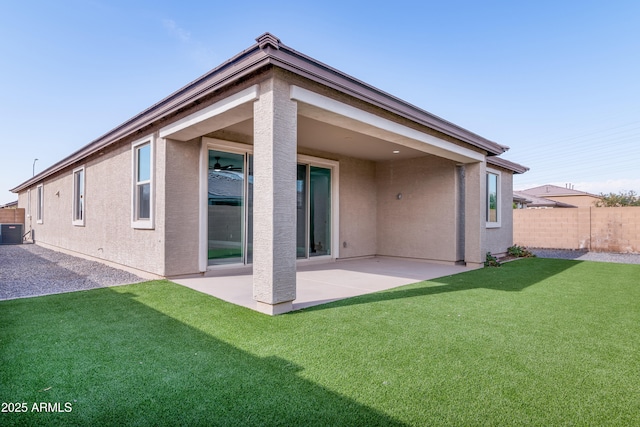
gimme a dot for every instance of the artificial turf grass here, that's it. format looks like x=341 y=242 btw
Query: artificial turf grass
x=534 y=342
x=135 y=365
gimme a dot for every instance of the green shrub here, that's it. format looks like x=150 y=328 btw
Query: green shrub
x=491 y=261
x=520 y=252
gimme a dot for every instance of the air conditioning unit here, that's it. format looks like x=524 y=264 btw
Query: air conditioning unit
x=11 y=234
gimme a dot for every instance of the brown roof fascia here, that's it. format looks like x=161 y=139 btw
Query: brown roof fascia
x=267 y=51
x=506 y=164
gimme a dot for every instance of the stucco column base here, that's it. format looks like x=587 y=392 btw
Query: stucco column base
x=274 y=309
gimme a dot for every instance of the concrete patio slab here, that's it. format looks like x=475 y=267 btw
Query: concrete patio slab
x=319 y=283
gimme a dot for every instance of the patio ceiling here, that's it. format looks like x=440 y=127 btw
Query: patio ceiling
x=324 y=124
x=325 y=137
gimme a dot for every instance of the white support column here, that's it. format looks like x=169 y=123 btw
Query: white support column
x=274 y=206
x=474 y=213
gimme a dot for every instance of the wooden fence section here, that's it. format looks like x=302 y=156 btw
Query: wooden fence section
x=595 y=229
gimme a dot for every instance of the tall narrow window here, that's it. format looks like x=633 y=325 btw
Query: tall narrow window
x=493 y=199
x=39 y=203
x=78 y=196
x=29 y=203
x=142 y=185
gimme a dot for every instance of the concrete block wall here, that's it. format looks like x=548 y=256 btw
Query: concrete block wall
x=595 y=229
x=615 y=229
x=12 y=216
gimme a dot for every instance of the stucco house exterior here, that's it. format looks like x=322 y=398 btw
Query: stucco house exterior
x=271 y=159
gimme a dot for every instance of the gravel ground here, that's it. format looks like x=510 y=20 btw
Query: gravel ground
x=31 y=270
x=588 y=256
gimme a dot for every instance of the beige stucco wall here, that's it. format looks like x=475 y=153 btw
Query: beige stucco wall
x=422 y=224
x=358 y=208
x=474 y=213
x=107 y=233
x=497 y=240
x=182 y=208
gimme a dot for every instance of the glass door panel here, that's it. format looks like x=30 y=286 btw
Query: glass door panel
x=249 y=220
x=320 y=211
x=226 y=189
x=301 y=212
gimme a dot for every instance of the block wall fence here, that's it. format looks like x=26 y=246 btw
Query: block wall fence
x=594 y=229
x=12 y=216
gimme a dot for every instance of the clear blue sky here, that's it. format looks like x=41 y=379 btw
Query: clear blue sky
x=557 y=81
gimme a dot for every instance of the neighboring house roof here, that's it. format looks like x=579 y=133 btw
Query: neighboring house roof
x=554 y=191
x=10 y=205
x=506 y=164
x=520 y=199
x=540 y=202
x=267 y=52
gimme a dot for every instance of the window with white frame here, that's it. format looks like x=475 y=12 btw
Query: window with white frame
x=78 y=196
x=39 y=203
x=142 y=193
x=29 y=203
x=493 y=198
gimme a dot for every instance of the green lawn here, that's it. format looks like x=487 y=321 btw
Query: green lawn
x=535 y=342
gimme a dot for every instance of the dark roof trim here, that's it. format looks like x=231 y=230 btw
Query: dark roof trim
x=268 y=51
x=506 y=164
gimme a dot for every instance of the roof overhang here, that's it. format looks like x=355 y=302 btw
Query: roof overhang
x=267 y=52
x=324 y=109
x=506 y=164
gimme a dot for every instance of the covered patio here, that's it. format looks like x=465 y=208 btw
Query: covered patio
x=323 y=282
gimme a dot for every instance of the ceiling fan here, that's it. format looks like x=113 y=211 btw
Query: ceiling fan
x=218 y=167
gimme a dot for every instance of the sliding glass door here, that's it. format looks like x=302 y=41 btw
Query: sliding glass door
x=313 y=211
x=230 y=208
x=230 y=200
x=319 y=211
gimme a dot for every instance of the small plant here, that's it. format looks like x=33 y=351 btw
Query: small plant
x=491 y=261
x=520 y=252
